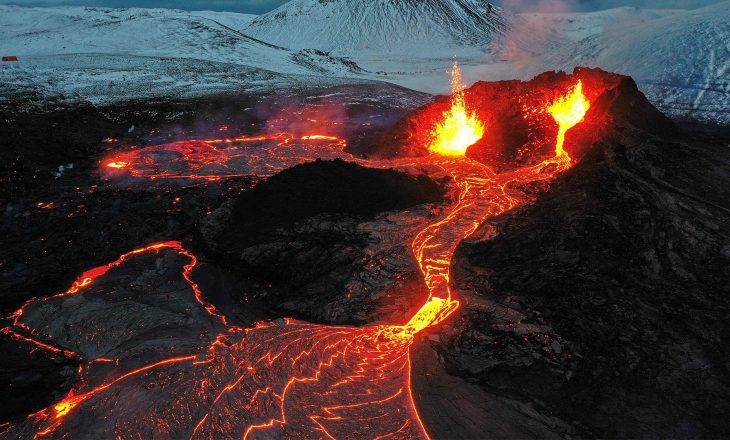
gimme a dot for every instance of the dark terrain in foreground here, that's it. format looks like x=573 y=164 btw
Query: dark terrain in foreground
x=598 y=311
x=604 y=304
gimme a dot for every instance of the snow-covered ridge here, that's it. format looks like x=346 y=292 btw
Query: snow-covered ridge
x=208 y=36
x=99 y=54
x=347 y=27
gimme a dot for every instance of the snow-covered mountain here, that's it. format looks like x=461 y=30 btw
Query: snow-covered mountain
x=207 y=36
x=349 y=27
x=102 y=54
x=680 y=58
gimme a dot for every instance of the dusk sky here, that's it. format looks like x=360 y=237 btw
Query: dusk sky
x=261 y=6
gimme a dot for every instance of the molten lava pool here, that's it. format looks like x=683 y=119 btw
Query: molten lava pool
x=216 y=159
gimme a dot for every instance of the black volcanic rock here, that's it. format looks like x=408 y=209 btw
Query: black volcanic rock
x=30 y=378
x=605 y=303
x=86 y=222
x=599 y=311
x=320 y=241
x=336 y=187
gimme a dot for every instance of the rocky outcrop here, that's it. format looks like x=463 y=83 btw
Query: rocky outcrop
x=324 y=243
x=605 y=302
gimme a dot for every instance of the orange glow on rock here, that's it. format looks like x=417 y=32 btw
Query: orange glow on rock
x=568 y=110
x=459 y=129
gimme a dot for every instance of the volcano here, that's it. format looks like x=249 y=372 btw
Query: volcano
x=518 y=122
x=346 y=27
x=542 y=280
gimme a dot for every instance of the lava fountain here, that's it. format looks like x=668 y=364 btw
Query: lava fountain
x=568 y=110
x=459 y=129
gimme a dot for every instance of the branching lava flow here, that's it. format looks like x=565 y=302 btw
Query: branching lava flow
x=286 y=378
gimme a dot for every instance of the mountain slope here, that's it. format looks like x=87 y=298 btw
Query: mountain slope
x=347 y=27
x=104 y=54
x=141 y=32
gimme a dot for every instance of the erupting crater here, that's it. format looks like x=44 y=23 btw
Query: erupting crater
x=459 y=128
x=288 y=378
x=568 y=111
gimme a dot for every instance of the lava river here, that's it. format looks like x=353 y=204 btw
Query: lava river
x=279 y=379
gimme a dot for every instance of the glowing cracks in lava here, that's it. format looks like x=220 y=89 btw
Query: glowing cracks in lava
x=568 y=110
x=216 y=159
x=459 y=129
x=65 y=406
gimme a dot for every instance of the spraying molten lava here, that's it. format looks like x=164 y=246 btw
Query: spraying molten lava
x=568 y=111
x=459 y=128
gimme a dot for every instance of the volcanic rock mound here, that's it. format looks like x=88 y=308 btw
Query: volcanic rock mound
x=519 y=130
x=320 y=237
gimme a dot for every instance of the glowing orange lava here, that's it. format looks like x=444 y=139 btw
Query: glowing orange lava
x=459 y=129
x=214 y=159
x=290 y=379
x=568 y=111
x=117 y=165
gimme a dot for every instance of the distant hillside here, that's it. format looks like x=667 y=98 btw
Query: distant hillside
x=679 y=58
x=347 y=27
